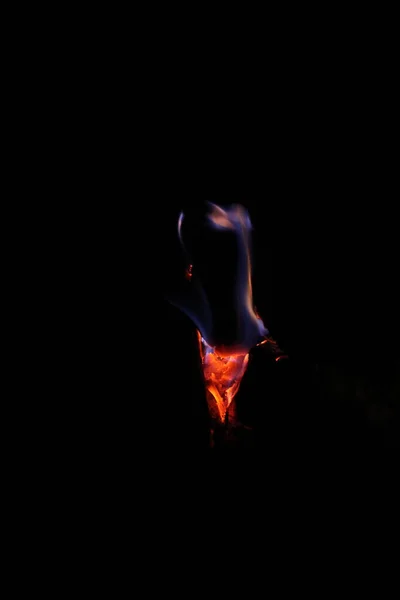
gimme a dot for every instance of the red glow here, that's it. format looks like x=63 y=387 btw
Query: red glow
x=189 y=272
x=222 y=375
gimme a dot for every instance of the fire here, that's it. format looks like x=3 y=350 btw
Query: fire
x=225 y=358
x=222 y=375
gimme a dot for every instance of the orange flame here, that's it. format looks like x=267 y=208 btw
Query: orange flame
x=222 y=375
x=224 y=365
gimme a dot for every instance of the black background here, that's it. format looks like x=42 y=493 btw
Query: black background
x=308 y=150
x=301 y=130
x=324 y=283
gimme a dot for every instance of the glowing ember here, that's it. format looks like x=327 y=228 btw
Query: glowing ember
x=189 y=272
x=222 y=375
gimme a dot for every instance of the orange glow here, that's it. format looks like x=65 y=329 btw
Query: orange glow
x=189 y=272
x=276 y=351
x=222 y=375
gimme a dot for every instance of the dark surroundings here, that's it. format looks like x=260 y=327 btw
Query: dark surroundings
x=324 y=283
x=304 y=139
x=312 y=161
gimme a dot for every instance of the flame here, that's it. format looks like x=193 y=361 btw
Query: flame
x=222 y=375
x=249 y=328
x=224 y=364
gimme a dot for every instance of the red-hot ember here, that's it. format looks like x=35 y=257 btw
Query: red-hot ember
x=222 y=375
x=189 y=272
